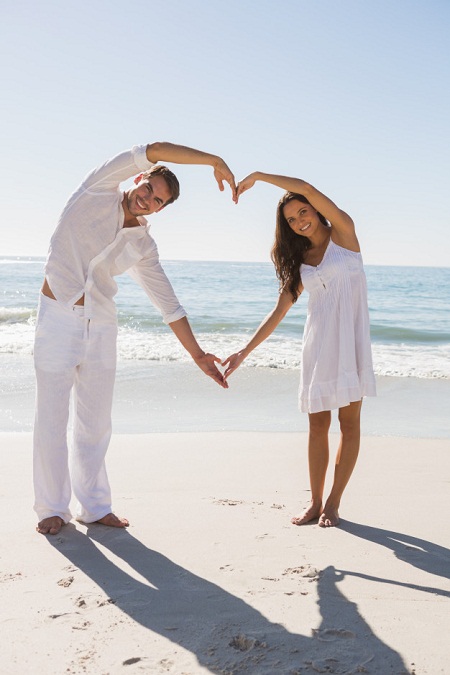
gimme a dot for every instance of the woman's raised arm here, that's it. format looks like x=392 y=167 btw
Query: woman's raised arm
x=343 y=226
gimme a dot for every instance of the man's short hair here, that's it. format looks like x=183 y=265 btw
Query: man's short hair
x=169 y=177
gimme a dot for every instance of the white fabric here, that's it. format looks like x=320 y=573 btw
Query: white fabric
x=72 y=351
x=337 y=357
x=90 y=245
x=75 y=347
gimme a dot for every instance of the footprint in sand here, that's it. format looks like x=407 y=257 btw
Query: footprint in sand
x=10 y=577
x=331 y=634
x=306 y=571
x=66 y=582
x=82 y=626
x=243 y=643
x=228 y=502
x=108 y=601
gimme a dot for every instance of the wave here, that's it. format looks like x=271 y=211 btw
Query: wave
x=398 y=359
x=404 y=360
x=401 y=334
x=17 y=314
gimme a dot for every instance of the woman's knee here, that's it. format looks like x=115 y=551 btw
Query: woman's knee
x=319 y=423
x=350 y=418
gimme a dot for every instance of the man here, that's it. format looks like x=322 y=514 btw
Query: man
x=101 y=233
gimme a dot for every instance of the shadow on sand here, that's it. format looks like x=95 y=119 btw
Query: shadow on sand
x=419 y=553
x=226 y=635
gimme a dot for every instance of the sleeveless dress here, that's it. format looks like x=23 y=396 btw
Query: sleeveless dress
x=337 y=356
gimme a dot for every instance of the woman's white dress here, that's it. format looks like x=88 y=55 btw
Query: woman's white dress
x=337 y=356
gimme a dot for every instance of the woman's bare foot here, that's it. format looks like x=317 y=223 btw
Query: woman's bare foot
x=311 y=513
x=111 y=520
x=329 y=518
x=51 y=525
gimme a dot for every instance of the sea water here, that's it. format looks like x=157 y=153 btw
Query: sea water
x=226 y=301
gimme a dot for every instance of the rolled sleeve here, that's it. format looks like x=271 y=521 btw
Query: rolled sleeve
x=139 y=153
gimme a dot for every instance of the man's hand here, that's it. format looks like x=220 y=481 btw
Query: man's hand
x=181 y=154
x=222 y=172
x=207 y=363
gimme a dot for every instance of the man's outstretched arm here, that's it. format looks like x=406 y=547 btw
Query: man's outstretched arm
x=180 y=154
x=206 y=362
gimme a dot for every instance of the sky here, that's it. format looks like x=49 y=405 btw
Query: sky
x=352 y=96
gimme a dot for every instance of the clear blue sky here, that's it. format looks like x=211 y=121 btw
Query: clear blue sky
x=351 y=95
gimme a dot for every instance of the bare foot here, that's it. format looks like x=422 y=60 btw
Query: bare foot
x=51 y=525
x=111 y=520
x=311 y=513
x=329 y=518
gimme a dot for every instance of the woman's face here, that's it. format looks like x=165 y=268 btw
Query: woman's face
x=301 y=218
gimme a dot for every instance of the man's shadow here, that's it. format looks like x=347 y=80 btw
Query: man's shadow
x=224 y=632
x=424 y=555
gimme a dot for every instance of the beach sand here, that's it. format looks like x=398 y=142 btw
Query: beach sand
x=211 y=577
x=165 y=397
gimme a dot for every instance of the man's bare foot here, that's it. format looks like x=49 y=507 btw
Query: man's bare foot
x=51 y=525
x=311 y=513
x=329 y=518
x=111 y=520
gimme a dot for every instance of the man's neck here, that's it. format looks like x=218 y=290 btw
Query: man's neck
x=129 y=220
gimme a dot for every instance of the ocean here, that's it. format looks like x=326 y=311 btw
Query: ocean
x=226 y=301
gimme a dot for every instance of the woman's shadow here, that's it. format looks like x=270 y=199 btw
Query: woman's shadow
x=223 y=632
x=419 y=553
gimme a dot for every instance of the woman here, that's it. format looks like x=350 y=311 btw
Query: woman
x=316 y=249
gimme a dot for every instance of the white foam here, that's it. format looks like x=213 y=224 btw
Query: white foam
x=399 y=360
x=396 y=360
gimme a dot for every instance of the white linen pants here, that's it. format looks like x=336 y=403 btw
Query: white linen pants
x=71 y=352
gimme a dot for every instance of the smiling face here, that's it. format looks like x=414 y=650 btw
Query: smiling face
x=302 y=218
x=149 y=196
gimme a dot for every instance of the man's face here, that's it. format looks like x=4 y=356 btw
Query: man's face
x=149 y=196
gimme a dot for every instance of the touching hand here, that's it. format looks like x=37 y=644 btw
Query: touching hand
x=246 y=183
x=221 y=173
x=207 y=363
x=233 y=362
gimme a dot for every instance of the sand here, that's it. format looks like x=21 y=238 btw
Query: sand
x=211 y=577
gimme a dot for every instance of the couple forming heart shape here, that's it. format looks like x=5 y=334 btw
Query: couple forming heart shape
x=102 y=232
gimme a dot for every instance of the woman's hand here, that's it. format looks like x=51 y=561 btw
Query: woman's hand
x=246 y=183
x=233 y=362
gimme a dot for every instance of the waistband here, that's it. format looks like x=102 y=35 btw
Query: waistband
x=77 y=309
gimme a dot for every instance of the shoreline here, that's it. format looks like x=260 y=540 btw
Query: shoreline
x=211 y=577
x=154 y=397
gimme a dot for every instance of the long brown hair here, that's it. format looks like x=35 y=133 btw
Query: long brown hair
x=289 y=248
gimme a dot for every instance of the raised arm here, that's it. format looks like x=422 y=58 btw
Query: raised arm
x=266 y=328
x=206 y=362
x=342 y=225
x=180 y=154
